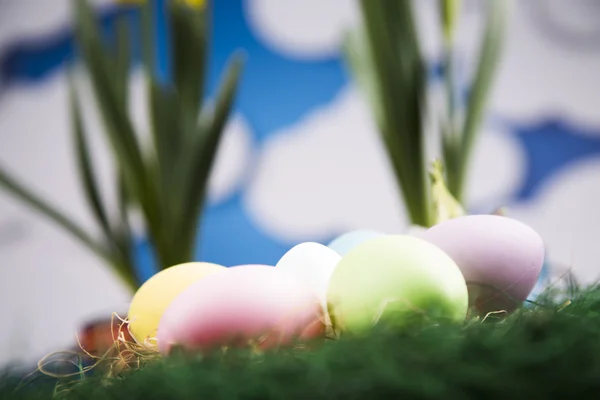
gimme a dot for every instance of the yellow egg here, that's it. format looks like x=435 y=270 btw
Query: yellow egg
x=157 y=293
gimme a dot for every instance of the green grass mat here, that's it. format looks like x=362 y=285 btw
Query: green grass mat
x=537 y=353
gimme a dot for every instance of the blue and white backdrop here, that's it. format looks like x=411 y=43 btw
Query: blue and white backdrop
x=301 y=159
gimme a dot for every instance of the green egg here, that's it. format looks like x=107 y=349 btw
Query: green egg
x=395 y=279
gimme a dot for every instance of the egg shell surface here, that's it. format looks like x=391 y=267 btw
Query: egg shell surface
x=415 y=230
x=541 y=285
x=154 y=296
x=313 y=263
x=349 y=240
x=396 y=279
x=248 y=303
x=500 y=258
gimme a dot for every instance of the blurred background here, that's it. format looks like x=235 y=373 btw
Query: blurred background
x=301 y=159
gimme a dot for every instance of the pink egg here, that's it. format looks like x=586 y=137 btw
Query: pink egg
x=500 y=258
x=245 y=303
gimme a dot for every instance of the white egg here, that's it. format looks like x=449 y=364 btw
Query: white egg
x=312 y=262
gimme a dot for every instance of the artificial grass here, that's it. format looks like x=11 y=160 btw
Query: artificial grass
x=543 y=352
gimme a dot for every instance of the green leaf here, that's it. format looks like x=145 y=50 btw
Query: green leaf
x=30 y=199
x=449 y=10
x=488 y=61
x=164 y=112
x=148 y=38
x=205 y=149
x=401 y=77
x=357 y=54
x=123 y=59
x=124 y=270
x=166 y=129
x=189 y=32
x=119 y=129
x=489 y=54
x=114 y=113
x=85 y=167
x=122 y=232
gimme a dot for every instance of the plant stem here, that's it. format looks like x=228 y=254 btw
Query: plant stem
x=459 y=151
x=36 y=203
x=124 y=269
x=400 y=78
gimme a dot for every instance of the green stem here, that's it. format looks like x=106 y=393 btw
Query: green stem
x=400 y=79
x=33 y=201
x=123 y=270
x=490 y=51
x=450 y=135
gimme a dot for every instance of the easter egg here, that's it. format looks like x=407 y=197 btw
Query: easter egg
x=313 y=263
x=346 y=242
x=541 y=285
x=395 y=279
x=155 y=295
x=249 y=304
x=500 y=258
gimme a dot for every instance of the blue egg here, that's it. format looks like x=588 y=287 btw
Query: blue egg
x=540 y=286
x=346 y=242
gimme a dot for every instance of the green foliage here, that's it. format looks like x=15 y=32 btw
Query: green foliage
x=449 y=12
x=548 y=351
x=385 y=58
x=458 y=140
x=165 y=179
x=395 y=77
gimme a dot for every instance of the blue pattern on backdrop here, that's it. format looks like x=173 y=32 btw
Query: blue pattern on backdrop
x=550 y=146
x=275 y=92
x=29 y=61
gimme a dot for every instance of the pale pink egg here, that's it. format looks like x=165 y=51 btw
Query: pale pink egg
x=500 y=258
x=245 y=303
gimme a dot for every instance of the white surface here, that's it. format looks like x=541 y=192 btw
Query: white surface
x=540 y=76
x=232 y=160
x=304 y=29
x=329 y=173
x=536 y=75
x=27 y=19
x=567 y=216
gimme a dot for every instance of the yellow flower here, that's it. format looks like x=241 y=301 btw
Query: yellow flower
x=195 y=3
x=191 y=3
